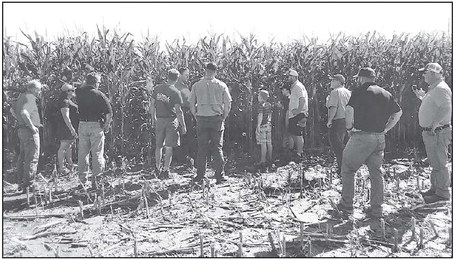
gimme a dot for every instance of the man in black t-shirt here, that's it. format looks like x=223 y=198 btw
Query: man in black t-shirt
x=95 y=114
x=370 y=113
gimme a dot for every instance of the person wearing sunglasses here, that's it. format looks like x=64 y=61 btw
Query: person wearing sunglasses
x=67 y=125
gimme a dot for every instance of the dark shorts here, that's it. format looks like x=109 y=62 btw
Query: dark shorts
x=167 y=132
x=293 y=127
x=63 y=132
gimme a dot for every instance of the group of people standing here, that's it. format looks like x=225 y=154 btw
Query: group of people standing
x=364 y=114
x=87 y=120
x=209 y=102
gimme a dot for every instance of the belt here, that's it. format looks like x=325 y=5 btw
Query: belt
x=367 y=132
x=437 y=128
x=88 y=120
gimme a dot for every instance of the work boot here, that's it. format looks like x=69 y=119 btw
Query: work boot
x=434 y=198
x=428 y=192
x=374 y=213
x=342 y=208
x=164 y=175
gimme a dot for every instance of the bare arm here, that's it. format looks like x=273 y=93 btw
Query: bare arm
x=349 y=115
x=331 y=113
x=153 y=112
x=259 y=120
x=227 y=107
x=108 y=121
x=392 y=121
x=180 y=118
x=65 y=113
x=192 y=101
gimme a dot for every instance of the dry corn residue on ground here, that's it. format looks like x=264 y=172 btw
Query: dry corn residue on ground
x=283 y=211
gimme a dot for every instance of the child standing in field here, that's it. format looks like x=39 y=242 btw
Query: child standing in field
x=263 y=131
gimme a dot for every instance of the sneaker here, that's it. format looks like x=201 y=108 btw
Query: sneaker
x=428 y=192
x=434 y=198
x=373 y=213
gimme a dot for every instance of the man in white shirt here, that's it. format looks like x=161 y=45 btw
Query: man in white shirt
x=297 y=111
x=435 y=119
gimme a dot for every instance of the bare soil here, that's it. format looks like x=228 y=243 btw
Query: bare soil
x=254 y=214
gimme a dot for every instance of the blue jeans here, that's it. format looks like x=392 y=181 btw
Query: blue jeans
x=336 y=135
x=27 y=162
x=437 y=153
x=368 y=148
x=210 y=132
x=91 y=138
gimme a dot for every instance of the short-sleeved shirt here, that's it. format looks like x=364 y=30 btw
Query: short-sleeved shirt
x=265 y=109
x=296 y=92
x=210 y=96
x=27 y=101
x=73 y=112
x=92 y=104
x=372 y=106
x=338 y=98
x=438 y=96
x=185 y=93
x=166 y=97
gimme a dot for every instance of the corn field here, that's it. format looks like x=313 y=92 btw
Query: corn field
x=131 y=68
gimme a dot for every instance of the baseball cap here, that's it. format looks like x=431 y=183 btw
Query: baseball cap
x=366 y=71
x=66 y=87
x=212 y=66
x=292 y=72
x=434 y=67
x=338 y=77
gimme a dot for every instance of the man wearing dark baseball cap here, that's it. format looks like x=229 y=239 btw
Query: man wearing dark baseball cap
x=371 y=112
x=336 y=104
x=434 y=116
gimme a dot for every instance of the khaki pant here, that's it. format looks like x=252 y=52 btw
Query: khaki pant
x=363 y=148
x=91 y=139
x=27 y=162
x=437 y=153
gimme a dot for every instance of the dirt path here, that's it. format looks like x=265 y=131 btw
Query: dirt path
x=237 y=217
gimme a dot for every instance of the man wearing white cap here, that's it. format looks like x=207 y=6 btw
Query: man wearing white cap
x=435 y=119
x=297 y=110
x=336 y=104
